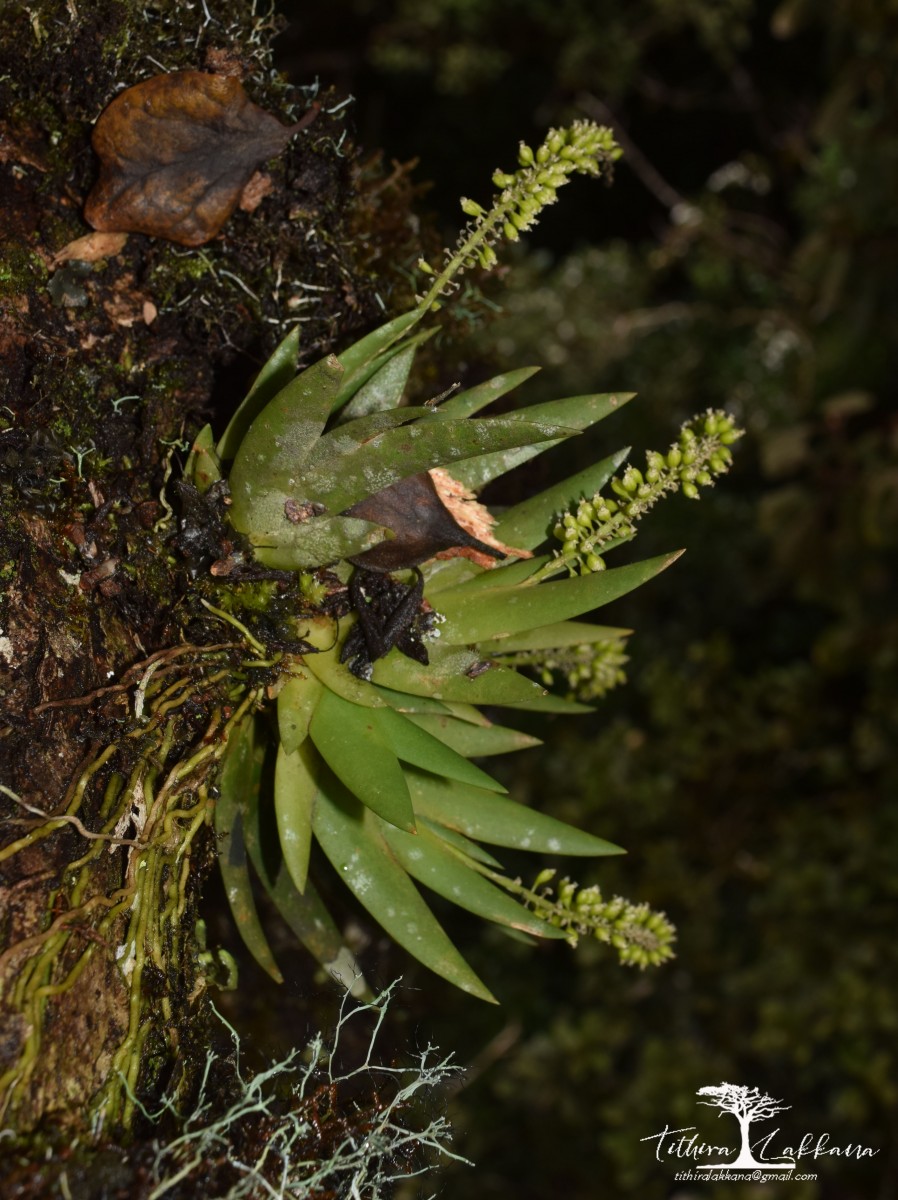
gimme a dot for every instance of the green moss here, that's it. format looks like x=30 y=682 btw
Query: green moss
x=21 y=270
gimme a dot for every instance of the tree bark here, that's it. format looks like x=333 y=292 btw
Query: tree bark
x=117 y=690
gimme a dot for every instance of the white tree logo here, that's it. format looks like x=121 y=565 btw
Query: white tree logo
x=747 y=1105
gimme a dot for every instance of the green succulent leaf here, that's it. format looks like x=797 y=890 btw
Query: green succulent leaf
x=575 y=413
x=471 y=401
x=238 y=786
x=491 y=615
x=327 y=667
x=351 y=743
x=554 y=637
x=273 y=378
x=385 y=386
x=511 y=575
x=416 y=745
x=529 y=523
x=295 y=786
x=499 y=821
x=345 y=440
x=447 y=872
x=360 y=360
x=203 y=466
x=398 y=453
x=403 y=702
x=352 y=837
x=296 y=702
x=474 y=741
x=304 y=912
x=267 y=465
x=460 y=842
x=550 y=703
x=455 y=674
x=314 y=543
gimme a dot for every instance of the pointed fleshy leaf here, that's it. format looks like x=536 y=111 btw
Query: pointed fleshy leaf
x=550 y=703
x=296 y=702
x=336 y=676
x=304 y=912
x=445 y=871
x=467 y=712
x=431 y=442
x=203 y=466
x=471 y=401
x=406 y=703
x=267 y=467
x=345 y=439
x=360 y=360
x=352 y=838
x=499 y=821
x=316 y=542
x=273 y=378
x=529 y=523
x=455 y=673
x=460 y=842
x=474 y=741
x=577 y=412
x=490 y=615
x=295 y=786
x=352 y=745
x=444 y=573
x=554 y=637
x=385 y=387
x=511 y=575
x=416 y=745
x=238 y=784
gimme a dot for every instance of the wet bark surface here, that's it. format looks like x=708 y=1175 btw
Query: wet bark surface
x=110 y=362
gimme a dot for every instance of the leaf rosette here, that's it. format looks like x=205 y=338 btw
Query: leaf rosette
x=325 y=472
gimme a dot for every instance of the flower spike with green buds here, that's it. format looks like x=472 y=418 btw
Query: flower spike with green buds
x=641 y=936
x=700 y=453
x=582 y=148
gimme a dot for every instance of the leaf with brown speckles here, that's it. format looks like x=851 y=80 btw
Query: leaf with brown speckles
x=176 y=152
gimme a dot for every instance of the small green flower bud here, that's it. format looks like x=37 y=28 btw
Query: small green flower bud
x=525 y=155
x=674 y=457
x=471 y=208
x=542 y=154
x=711 y=424
x=732 y=436
x=690 y=491
x=703 y=478
x=595 y=562
x=501 y=180
x=632 y=479
x=510 y=232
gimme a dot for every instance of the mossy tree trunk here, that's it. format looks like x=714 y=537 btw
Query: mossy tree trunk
x=117 y=690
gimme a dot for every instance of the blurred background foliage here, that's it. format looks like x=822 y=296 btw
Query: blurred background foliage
x=745 y=258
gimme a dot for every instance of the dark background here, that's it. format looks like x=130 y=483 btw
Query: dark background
x=745 y=258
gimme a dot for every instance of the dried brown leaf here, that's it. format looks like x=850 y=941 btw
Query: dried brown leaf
x=90 y=248
x=176 y=152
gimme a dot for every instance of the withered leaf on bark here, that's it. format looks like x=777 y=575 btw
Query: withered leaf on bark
x=432 y=516
x=176 y=152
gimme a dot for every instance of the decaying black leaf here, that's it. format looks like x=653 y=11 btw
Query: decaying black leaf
x=424 y=526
